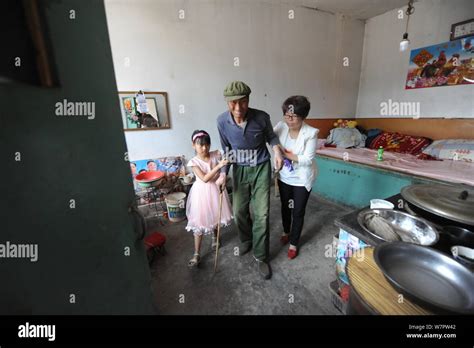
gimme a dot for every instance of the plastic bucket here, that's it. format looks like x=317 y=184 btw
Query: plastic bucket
x=175 y=203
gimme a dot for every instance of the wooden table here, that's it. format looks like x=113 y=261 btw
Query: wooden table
x=371 y=293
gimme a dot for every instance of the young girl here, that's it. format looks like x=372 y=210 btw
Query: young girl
x=202 y=207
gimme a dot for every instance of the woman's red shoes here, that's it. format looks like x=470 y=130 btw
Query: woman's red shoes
x=285 y=239
x=292 y=253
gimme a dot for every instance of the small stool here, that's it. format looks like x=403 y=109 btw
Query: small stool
x=154 y=243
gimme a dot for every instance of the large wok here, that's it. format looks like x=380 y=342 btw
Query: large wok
x=427 y=276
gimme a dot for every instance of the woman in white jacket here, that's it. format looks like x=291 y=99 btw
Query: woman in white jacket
x=298 y=173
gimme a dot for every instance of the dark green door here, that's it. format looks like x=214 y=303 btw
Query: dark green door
x=66 y=185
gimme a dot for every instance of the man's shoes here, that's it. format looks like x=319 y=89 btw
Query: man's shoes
x=284 y=239
x=244 y=248
x=264 y=269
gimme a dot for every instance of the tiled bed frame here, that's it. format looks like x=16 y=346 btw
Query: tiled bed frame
x=355 y=184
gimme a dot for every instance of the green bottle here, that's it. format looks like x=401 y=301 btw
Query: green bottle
x=380 y=154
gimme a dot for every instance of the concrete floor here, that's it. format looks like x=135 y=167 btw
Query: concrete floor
x=298 y=286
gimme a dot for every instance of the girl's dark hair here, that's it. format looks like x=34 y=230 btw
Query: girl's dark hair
x=298 y=104
x=202 y=139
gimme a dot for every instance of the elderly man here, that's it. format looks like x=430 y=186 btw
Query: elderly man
x=244 y=133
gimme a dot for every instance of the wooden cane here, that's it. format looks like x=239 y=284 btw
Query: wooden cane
x=277 y=190
x=218 y=229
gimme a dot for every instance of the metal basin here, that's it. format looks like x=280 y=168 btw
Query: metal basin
x=427 y=276
x=149 y=179
x=409 y=228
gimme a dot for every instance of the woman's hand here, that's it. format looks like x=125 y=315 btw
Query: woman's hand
x=290 y=155
x=286 y=152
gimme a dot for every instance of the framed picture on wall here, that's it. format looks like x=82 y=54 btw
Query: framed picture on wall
x=446 y=64
x=462 y=29
x=144 y=110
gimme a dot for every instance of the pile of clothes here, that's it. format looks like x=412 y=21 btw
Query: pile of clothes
x=346 y=135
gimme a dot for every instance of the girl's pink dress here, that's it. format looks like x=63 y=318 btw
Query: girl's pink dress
x=202 y=207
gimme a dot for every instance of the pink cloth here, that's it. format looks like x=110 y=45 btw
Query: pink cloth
x=447 y=170
x=202 y=207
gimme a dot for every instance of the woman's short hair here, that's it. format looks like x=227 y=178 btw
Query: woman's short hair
x=298 y=105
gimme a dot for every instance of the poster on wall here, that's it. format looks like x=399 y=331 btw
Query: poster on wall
x=169 y=165
x=447 y=64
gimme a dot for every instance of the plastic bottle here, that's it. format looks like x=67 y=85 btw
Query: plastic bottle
x=380 y=154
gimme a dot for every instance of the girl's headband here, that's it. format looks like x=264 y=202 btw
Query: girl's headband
x=197 y=135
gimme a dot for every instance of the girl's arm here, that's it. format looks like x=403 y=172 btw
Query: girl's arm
x=208 y=176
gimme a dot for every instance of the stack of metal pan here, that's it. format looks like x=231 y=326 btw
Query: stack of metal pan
x=426 y=275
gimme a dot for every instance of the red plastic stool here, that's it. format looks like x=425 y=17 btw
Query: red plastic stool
x=154 y=243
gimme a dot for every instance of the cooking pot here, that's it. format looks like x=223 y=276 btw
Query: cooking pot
x=442 y=204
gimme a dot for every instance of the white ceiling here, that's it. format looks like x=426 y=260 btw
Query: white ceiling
x=361 y=9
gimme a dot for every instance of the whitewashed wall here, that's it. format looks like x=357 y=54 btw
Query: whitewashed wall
x=384 y=67
x=193 y=60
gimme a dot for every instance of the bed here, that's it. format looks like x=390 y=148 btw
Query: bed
x=448 y=170
x=353 y=177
